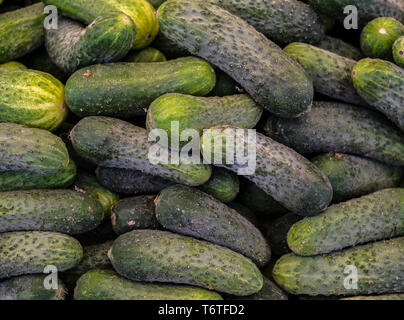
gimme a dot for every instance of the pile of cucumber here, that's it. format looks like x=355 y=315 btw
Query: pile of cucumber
x=81 y=199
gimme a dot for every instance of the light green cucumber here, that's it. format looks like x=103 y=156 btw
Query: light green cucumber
x=224 y=185
x=148 y=54
x=13 y=65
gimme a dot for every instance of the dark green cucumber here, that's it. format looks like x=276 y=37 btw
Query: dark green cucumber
x=245 y=212
x=161 y=256
x=107 y=39
x=379 y=266
x=225 y=85
x=223 y=185
x=21 y=31
x=376 y=216
x=108 y=285
x=353 y=176
x=340 y=128
x=127 y=89
x=398 y=51
x=378 y=36
x=381 y=84
x=30 y=287
x=134 y=213
x=340 y=47
x=31 y=97
x=13 y=65
x=130 y=181
x=148 y=54
x=331 y=73
x=192 y=212
x=379 y=297
x=115 y=143
x=200 y=113
x=40 y=249
x=274 y=80
x=288 y=177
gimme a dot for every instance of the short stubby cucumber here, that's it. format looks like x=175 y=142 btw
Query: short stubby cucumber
x=13 y=65
x=340 y=47
x=379 y=268
x=40 y=249
x=224 y=185
x=340 y=128
x=398 y=51
x=161 y=256
x=288 y=177
x=126 y=89
x=108 y=285
x=115 y=143
x=148 y=54
x=376 y=216
x=272 y=78
x=192 y=212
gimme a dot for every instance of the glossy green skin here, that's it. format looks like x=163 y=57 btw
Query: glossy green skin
x=381 y=84
x=30 y=287
x=24 y=24
x=108 y=285
x=65 y=211
x=381 y=297
x=107 y=39
x=340 y=128
x=224 y=185
x=199 y=113
x=340 y=47
x=398 y=51
x=31 y=150
x=378 y=36
x=380 y=270
x=126 y=89
x=31 y=97
x=191 y=212
x=279 y=84
x=288 y=177
x=115 y=143
x=353 y=176
x=148 y=54
x=13 y=65
x=134 y=213
x=331 y=73
x=269 y=291
x=40 y=250
x=161 y=256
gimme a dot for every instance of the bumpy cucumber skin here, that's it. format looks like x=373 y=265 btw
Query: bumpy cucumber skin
x=340 y=47
x=108 y=38
x=126 y=89
x=30 y=287
x=278 y=84
x=134 y=213
x=31 y=150
x=115 y=143
x=108 y=285
x=378 y=36
x=398 y=51
x=223 y=185
x=40 y=250
x=288 y=177
x=13 y=65
x=376 y=216
x=380 y=297
x=340 y=128
x=24 y=24
x=148 y=54
x=32 y=98
x=331 y=73
x=161 y=256
x=192 y=212
x=353 y=176
x=380 y=270
x=381 y=84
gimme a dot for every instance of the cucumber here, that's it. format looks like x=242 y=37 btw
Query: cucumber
x=126 y=89
x=381 y=84
x=379 y=270
x=380 y=297
x=148 y=54
x=340 y=128
x=288 y=177
x=376 y=216
x=30 y=287
x=13 y=65
x=161 y=256
x=21 y=31
x=245 y=212
x=340 y=47
x=115 y=143
x=170 y=49
x=225 y=85
x=279 y=84
x=222 y=185
x=40 y=249
x=107 y=285
x=31 y=97
x=134 y=213
x=200 y=113
x=72 y=46
x=378 y=36
x=353 y=176
x=398 y=51
x=192 y=212
x=331 y=73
